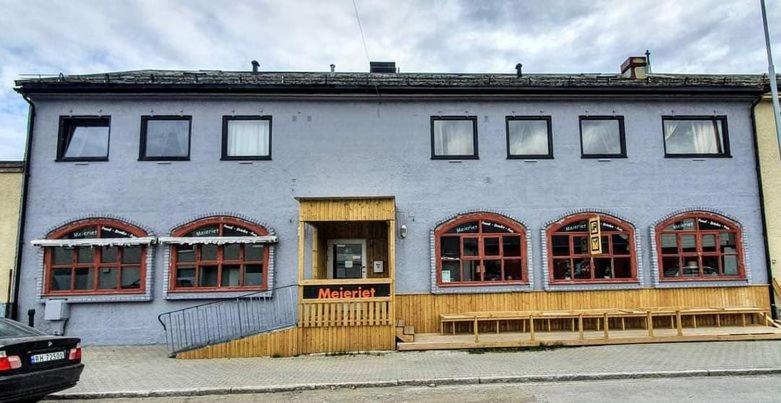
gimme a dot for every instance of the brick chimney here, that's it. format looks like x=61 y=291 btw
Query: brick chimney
x=635 y=67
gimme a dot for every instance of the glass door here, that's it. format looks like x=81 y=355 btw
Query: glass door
x=346 y=258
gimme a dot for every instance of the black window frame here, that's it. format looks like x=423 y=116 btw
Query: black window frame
x=547 y=119
x=724 y=136
x=142 y=146
x=474 y=156
x=85 y=121
x=621 y=133
x=225 y=120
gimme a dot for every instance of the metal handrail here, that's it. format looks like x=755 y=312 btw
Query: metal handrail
x=228 y=319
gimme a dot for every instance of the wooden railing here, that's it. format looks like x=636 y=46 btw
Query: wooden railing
x=335 y=313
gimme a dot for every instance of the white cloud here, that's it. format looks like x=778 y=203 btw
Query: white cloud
x=82 y=36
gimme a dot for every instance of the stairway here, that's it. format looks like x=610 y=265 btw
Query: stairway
x=404 y=334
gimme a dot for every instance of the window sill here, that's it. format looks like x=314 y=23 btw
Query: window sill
x=454 y=157
x=700 y=279
x=602 y=156
x=530 y=157
x=81 y=160
x=239 y=159
x=697 y=156
x=598 y=281
x=481 y=283
x=71 y=298
x=136 y=291
x=164 y=159
x=215 y=294
x=215 y=289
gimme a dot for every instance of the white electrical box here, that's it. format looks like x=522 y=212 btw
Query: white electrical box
x=378 y=266
x=56 y=309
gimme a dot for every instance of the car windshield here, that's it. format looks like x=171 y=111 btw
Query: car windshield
x=10 y=329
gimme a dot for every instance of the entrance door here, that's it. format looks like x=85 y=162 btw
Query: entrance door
x=346 y=258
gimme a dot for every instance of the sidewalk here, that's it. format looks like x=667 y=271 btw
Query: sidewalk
x=146 y=371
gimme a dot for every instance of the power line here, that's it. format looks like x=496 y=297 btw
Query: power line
x=365 y=48
x=360 y=27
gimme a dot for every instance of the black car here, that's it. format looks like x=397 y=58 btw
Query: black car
x=34 y=364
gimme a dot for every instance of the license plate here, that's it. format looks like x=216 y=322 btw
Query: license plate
x=46 y=357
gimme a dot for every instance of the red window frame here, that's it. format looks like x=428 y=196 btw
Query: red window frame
x=608 y=250
x=481 y=257
x=96 y=263
x=219 y=262
x=699 y=253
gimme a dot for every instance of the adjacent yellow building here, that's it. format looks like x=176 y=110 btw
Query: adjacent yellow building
x=11 y=178
x=770 y=167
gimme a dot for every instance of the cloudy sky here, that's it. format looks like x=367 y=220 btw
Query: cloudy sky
x=75 y=36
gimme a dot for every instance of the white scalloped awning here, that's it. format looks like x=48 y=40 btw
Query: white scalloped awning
x=96 y=241
x=217 y=240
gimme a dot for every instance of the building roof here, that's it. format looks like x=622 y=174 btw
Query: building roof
x=11 y=166
x=214 y=81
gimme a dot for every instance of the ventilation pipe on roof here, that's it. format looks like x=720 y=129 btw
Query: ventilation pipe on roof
x=255 y=66
x=648 y=61
x=519 y=70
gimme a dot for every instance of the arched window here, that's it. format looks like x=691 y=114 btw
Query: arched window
x=699 y=246
x=570 y=259
x=95 y=256
x=219 y=253
x=480 y=248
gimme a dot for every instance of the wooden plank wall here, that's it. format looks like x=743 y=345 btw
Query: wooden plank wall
x=378 y=209
x=422 y=310
x=280 y=343
x=345 y=339
x=296 y=341
x=318 y=313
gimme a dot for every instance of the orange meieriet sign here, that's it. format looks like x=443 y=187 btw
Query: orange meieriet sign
x=346 y=291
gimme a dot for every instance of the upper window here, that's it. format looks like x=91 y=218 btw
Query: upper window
x=87 y=264
x=602 y=137
x=481 y=249
x=529 y=137
x=454 y=137
x=165 y=138
x=695 y=136
x=246 y=137
x=83 y=138
x=699 y=246
x=569 y=255
x=219 y=265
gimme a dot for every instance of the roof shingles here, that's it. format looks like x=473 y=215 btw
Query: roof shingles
x=240 y=81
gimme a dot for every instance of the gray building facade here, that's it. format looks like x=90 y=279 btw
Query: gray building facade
x=371 y=135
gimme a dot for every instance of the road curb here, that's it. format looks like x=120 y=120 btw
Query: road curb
x=416 y=382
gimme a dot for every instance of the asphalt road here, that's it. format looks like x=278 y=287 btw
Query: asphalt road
x=766 y=388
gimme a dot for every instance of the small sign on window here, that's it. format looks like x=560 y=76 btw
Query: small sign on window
x=595 y=235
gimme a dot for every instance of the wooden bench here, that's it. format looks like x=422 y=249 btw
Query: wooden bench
x=602 y=316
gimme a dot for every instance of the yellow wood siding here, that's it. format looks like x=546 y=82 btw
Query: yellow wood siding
x=368 y=312
x=359 y=209
x=422 y=310
x=770 y=167
x=296 y=341
x=10 y=204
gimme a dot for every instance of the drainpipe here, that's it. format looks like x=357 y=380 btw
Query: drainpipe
x=762 y=208
x=23 y=212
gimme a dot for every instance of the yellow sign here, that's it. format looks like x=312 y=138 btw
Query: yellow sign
x=595 y=235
